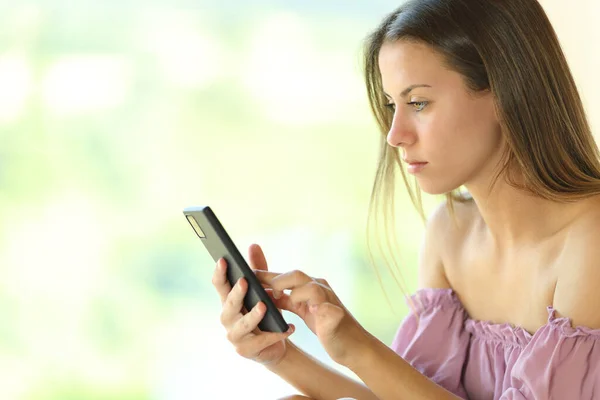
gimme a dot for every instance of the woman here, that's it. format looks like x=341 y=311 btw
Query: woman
x=473 y=94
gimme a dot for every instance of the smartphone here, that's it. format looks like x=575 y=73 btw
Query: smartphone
x=219 y=245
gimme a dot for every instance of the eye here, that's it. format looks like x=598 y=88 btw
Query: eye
x=418 y=105
x=390 y=106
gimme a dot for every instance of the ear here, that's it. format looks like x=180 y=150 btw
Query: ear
x=492 y=103
x=496 y=108
x=493 y=107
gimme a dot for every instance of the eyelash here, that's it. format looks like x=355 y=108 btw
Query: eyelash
x=392 y=106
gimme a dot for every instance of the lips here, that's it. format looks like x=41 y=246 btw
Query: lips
x=410 y=161
x=414 y=166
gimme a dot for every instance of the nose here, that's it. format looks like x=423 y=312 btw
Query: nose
x=402 y=132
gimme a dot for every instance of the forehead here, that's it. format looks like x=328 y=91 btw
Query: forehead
x=409 y=62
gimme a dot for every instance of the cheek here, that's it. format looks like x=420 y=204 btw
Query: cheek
x=458 y=139
x=446 y=135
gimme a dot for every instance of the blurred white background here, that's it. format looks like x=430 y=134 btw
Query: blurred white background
x=114 y=116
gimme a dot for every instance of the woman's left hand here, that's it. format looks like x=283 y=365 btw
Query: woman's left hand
x=314 y=301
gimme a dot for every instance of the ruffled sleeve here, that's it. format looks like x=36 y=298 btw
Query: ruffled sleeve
x=432 y=337
x=560 y=362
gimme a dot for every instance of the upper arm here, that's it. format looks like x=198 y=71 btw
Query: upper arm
x=431 y=267
x=577 y=296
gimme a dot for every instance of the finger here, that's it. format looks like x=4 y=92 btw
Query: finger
x=265 y=277
x=287 y=280
x=283 y=302
x=232 y=308
x=249 y=345
x=260 y=274
x=256 y=258
x=266 y=286
x=311 y=293
x=219 y=279
x=247 y=323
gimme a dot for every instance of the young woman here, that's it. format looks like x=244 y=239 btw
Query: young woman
x=474 y=94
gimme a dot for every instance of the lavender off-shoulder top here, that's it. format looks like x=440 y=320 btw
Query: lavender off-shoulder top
x=479 y=360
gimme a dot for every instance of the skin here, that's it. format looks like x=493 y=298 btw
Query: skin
x=458 y=133
x=510 y=241
x=510 y=256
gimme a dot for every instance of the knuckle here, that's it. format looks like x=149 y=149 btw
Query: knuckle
x=230 y=303
x=241 y=350
x=298 y=276
x=239 y=286
x=315 y=288
x=223 y=319
x=244 y=324
x=314 y=284
x=297 y=273
x=254 y=313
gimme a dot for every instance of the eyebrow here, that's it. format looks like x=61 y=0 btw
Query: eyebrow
x=406 y=91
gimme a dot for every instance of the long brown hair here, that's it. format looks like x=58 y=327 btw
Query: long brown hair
x=510 y=48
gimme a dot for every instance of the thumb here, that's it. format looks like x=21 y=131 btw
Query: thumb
x=256 y=258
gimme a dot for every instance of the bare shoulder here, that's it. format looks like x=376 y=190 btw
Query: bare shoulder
x=443 y=233
x=577 y=296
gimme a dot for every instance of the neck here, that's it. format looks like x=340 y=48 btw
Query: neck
x=513 y=218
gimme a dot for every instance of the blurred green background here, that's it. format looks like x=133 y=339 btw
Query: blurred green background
x=114 y=116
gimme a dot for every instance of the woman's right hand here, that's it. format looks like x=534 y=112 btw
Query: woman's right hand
x=250 y=342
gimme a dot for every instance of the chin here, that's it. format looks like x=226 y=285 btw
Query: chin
x=434 y=191
x=436 y=188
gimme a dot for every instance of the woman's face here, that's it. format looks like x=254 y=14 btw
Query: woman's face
x=439 y=121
